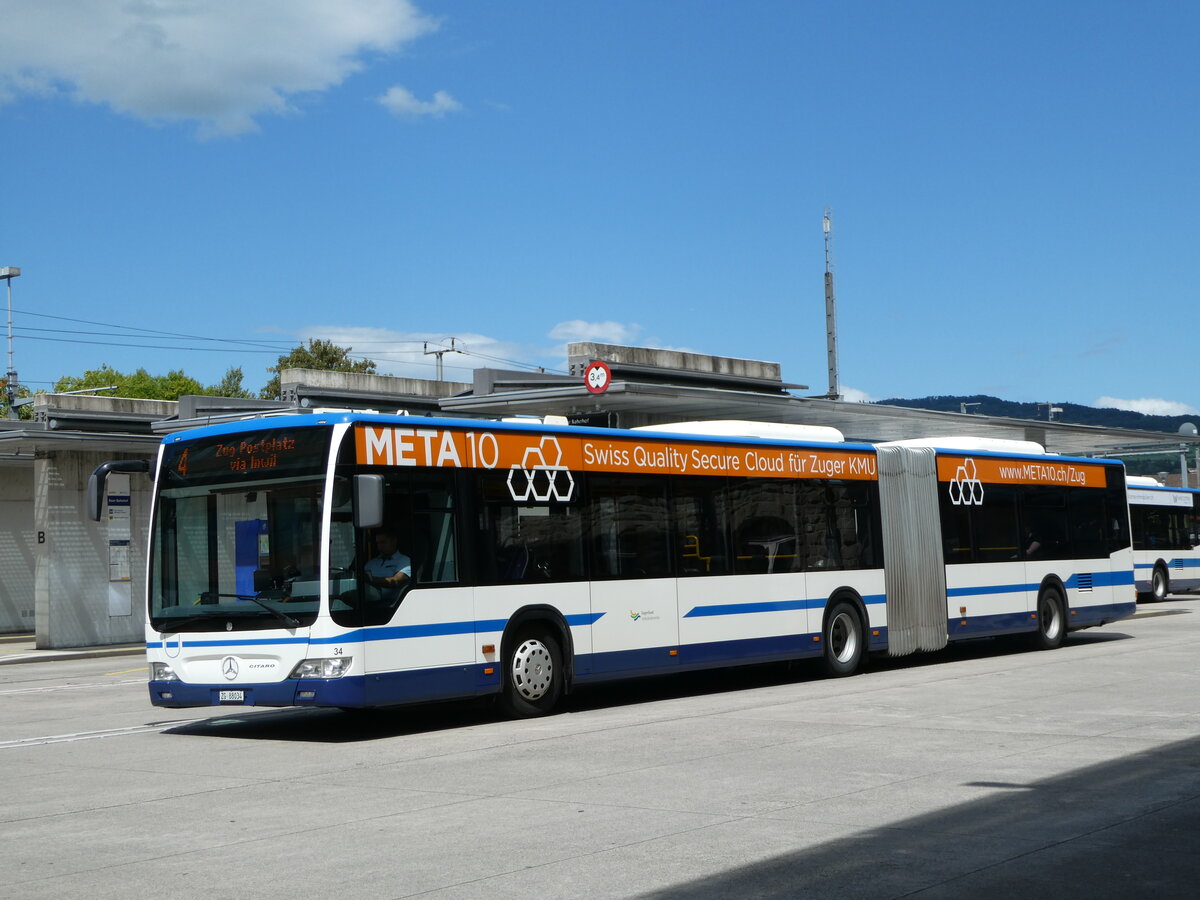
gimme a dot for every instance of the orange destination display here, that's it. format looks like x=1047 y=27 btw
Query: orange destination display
x=387 y=445
x=273 y=452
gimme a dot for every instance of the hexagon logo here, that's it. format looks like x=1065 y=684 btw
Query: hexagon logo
x=965 y=487
x=541 y=475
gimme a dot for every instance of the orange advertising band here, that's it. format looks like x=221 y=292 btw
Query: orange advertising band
x=1049 y=471
x=390 y=445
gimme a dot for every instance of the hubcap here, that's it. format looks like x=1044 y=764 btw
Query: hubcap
x=1051 y=621
x=843 y=637
x=532 y=669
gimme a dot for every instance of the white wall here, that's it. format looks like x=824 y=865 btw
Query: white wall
x=77 y=603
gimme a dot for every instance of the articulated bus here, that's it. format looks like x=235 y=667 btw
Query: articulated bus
x=1166 y=537
x=539 y=557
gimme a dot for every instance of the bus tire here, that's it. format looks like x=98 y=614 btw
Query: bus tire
x=533 y=674
x=1160 y=583
x=844 y=640
x=1051 y=620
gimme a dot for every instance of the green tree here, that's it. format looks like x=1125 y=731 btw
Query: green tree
x=23 y=412
x=318 y=354
x=230 y=385
x=140 y=384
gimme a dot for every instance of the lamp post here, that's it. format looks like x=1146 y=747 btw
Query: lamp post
x=8 y=273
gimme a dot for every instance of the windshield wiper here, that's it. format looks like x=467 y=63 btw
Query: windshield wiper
x=281 y=616
x=176 y=625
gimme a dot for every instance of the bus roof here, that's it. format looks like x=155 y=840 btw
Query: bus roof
x=984 y=444
x=781 y=431
x=715 y=431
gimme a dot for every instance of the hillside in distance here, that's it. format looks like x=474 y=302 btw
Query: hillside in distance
x=1072 y=413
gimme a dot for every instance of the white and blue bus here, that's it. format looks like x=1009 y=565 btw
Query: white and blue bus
x=1165 y=522
x=541 y=557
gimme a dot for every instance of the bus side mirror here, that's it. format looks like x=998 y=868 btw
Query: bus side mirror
x=368 y=501
x=98 y=478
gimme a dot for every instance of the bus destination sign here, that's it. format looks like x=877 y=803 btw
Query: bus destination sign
x=246 y=455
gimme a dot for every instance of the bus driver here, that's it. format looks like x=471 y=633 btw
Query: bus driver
x=391 y=570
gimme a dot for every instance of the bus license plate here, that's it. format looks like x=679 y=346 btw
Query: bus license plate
x=232 y=697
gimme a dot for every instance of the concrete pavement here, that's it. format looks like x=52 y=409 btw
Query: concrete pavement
x=22 y=648
x=980 y=771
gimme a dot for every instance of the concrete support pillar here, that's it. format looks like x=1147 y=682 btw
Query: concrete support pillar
x=84 y=596
x=17 y=548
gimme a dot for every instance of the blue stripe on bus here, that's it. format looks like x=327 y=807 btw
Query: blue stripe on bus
x=737 y=609
x=437 y=629
x=1172 y=564
x=1099 y=579
x=1175 y=563
x=1105 y=579
x=397 y=632
x=230 y=642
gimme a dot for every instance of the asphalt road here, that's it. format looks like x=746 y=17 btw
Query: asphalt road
x=982 y=771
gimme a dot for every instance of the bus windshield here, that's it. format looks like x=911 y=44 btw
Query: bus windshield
x=237 y=532
x=247 y=555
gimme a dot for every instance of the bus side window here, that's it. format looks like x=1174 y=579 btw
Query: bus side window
x=630 y=528
x=700 y=511
x=766 y=525
x=527 y=540
x=434 y=547
x=419 y=508
x=1044 y=522
x=994 y=526
x=1087 y=523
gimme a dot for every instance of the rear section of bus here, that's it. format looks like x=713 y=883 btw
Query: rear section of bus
x=1028 y=541
x=1166 y=537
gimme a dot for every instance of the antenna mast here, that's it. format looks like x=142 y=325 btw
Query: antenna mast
x=830 y=309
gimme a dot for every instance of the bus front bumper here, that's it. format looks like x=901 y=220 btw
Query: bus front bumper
x=346 y=691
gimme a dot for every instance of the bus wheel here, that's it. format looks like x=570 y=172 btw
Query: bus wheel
x=1051 y=620
x=1160 y=584
x=533 y=675
x=844 y=640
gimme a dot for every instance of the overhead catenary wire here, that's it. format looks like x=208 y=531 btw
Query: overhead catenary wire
x=264 y=344
x=168 y=340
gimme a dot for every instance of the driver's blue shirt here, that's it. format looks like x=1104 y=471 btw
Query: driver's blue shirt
x=388 y=566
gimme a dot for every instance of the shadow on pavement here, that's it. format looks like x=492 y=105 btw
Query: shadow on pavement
x=1126 y=828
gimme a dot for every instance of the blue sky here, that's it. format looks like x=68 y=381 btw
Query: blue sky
x=1014 y=187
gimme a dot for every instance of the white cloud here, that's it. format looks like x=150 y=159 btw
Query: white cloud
x=600 y=332
x=1152 y=406
x=219 y=63
x=404 y=353
x=854 y=395
x=401 y=102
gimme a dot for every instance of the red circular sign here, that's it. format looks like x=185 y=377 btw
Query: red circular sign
x=597 y=377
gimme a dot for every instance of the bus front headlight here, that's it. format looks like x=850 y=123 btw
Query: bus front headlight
x=323 y=668
x=162 y=672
